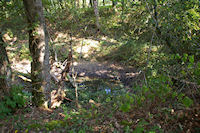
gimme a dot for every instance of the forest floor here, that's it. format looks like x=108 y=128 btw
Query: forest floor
x=92 y=69
x=104 y=87
x=111 y=71
x=89 y=61
x=95 y=75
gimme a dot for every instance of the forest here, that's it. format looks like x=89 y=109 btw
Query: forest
x=84 y=66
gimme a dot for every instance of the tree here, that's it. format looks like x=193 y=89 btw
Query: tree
x=78 y=3
x=91 y=3
x=5 y=70
x=114 y=3
x=96 y=11
x=83 y=2
x=103 y=2
x=39 y=49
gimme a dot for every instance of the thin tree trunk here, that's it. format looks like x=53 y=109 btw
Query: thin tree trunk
x=78 y=3
x=113 y=3
x=5 y=70
x=156 y=17
x=91 y=3
x=96 y=11
x=158 y=31
x=83 y=3
x=39 y=49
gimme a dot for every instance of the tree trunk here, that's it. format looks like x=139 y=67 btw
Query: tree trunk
x=78 y=3
x=158 y=31
x=96 y=11
x=5 y=70
x=91 y=3
x=113 y=3
x=84 y=3
x=39 y=49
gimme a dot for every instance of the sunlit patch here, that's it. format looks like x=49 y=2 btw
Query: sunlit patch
x=116 y=67
x=61 y=37
x=100 y=72
x=113 y=40
x=24 y=78
x=82 y=74
x=111 y=76
x=88 y=47
x=7 y=37
x=133 y=74
x=84 y=49
x=86 y=55
x=104 y=38
x=23 y=66
x=75 y=63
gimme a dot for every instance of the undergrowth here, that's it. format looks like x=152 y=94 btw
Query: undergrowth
x=165 y=100
x=15 y=100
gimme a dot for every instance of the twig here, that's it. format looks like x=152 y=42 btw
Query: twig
x=73 y=74
x=68 y=99
x=185 y=82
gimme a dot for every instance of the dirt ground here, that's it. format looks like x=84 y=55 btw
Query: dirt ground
x=109 y=71
x=91 y=69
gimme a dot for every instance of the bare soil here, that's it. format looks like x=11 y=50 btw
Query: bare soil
x=125 y=75
x=107 y=71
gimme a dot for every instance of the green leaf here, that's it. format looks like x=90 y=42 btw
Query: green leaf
x=190 y=66
x=198 y=65
x=183 y=72
x=187 y=101
x=178 y=56
x=125 y=107
x=138 y=130
x=191 y=59
x=180 y=96
x=145 y=89
x=174 y=94
x=185 y=56
x=108 y=99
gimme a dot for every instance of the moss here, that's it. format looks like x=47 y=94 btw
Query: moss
x=54 y=124
x=35 y=126
x=38 y=98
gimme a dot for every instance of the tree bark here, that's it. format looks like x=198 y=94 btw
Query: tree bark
x=78 y=3
x=96 y=11
x=84 y=3
x=39 y=49
x=91 y=3
x=5 y=70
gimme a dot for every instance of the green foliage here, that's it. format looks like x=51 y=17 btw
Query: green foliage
x=16 y=99
x=126 y=106
x=54 y=124
x=24 y=52
x=127 y=51
x=187 y=101
x=128 y=32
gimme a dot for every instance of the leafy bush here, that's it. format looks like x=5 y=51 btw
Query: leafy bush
x=9 y=104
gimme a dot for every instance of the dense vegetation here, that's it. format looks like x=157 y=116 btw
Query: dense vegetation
x=154 y=46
